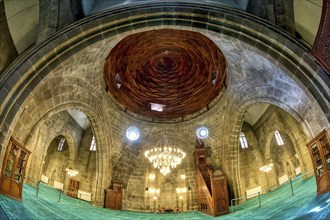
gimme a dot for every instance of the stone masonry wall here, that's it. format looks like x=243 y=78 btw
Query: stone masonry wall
x=55 y=162
x=139 y=196
x=250 y=160
x=76 y=81
x=41 y=140
x=263 y=149
x=86 y=163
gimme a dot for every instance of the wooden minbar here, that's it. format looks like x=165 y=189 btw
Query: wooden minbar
x=211 y=185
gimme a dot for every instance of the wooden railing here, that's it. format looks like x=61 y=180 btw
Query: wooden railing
x=204 y=171
x=207 y=194
x=211 y=185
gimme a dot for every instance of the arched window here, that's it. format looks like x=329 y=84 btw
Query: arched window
x=61 y=144
x=279 y=139
x=93 y=145
x=242 y=140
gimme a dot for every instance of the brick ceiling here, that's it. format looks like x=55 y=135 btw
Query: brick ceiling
x=179 y=71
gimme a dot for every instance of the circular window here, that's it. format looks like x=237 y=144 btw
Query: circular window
x=132 y=133
x=202 y=132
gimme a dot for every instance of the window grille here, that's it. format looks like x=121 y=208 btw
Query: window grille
x=243 y=141
x=61 y=144
x=93 y=145
x=279 y=139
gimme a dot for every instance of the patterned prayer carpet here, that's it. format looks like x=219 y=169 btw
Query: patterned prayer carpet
x=277 y=204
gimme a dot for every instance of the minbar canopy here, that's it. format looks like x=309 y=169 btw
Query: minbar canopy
x=165 y=73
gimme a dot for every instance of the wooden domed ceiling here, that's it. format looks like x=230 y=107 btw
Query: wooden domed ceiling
x=165 y=73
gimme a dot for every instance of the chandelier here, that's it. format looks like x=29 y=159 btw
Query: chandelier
x=266 y=168
x=164 y=157
x=71 y=172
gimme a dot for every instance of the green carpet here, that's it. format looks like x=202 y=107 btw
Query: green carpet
x=277 y=204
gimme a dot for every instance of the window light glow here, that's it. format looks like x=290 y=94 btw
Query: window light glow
x=61 y=144
x=132 y=133
x=242 y=140
x=279 y=139
x=157 y=107
x=202 y=132
x=118 y=81
x=93 y=145
x=214 y=78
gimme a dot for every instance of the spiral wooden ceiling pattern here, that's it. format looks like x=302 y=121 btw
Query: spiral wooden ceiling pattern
x=179 y=71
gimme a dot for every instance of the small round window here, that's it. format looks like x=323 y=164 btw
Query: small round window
x=202 y=132
x=132 y=133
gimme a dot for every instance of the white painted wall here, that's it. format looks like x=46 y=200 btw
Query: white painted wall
x=307 y=15
x=93 y=6
x=23 y=19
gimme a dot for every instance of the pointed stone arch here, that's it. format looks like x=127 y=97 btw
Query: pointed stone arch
x=71 y=144
x=300 y=150
x=99 y=129
x=229 y=155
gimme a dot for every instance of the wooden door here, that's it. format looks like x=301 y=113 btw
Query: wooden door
x=73 y=188
x=113 y=196
x=113 y=199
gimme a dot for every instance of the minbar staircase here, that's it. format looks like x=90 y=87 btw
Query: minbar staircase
x=211 y=185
